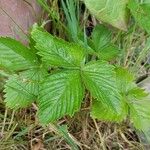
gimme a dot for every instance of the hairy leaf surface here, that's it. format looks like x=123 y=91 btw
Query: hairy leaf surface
x=57 y=52
x=60 y=94
x=99 y=78
x=113 y=12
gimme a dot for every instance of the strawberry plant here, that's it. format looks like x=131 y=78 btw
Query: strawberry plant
x=56 y=74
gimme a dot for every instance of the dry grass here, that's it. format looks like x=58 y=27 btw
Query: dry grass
x=21 y=131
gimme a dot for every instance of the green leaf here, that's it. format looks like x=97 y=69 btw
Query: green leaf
x=99 y=78
x=140 y=113
x=125 y=80
x=60 y=94
x=22 y=90
x=136 y=99
x=14 y=55
x=137 y=93
x=57 y=52
x=139 y=107
x=101 y=37
x=133 y=102
x=101 y=43
x=100 y=111
x=109 y=52
x=141 y=13
x=113 y=12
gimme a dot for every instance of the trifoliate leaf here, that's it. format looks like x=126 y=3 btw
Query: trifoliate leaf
x=57 y=52
x=141 y=13
x=15 y=56
x=113 y=12
x=60 y=94
x=99 y=78
x=21 y=90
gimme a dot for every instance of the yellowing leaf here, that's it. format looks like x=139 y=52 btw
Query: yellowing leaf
x=113 y=12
